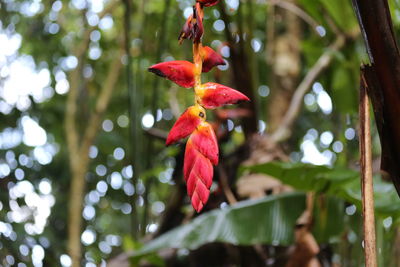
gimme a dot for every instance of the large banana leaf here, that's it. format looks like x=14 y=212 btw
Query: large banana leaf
x=270 y=220
x=343 y=183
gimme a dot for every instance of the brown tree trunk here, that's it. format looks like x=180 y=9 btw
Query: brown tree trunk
x=285 y=64
x=75 y=211
x=78 y=147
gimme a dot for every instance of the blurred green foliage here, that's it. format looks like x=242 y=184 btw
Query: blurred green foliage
x=51 y=31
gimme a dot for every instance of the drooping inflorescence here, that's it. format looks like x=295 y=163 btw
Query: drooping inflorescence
x=202 y=148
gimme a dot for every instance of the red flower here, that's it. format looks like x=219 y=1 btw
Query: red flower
x=200 y=154
x=186 y=124
x=211 y=59
x=201 y=151
x=180 y=72
x=187 y=30
x=214 y=95
x=193 y=27
x=208 y=2
x=205 y=141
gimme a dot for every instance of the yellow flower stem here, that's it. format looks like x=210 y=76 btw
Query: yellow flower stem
x=198 y=63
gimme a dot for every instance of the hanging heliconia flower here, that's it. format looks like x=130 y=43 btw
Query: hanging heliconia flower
x=201 y=152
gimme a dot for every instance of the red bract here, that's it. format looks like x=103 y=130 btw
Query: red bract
x=208 y=2
x=186 y=124
x=205 y=141
x=193 y=27
x=201 y=152
x=210 y=59
x=201 y=168
x=187 y=30
x=198 y=28
x=202 y=148
x=179 y=71
x=214 y=95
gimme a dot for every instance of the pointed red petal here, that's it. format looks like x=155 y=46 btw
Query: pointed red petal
x=187 y=30
x=196 y=202
x=179 y=71
x=202 y=191
x=211 y=59
x=205 y=141
x=185 y=124
x=191 y=155
x=215 y=95
x=200 y=196
x=191 y=184
x=201 y=173
x=198 y=28
x=193 y=27
x=203 y=170
x=208 y=2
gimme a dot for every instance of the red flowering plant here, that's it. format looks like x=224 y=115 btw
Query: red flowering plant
x=202 y=148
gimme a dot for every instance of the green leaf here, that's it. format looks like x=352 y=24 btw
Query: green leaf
x=270 y=220
x=344 y=98
x=326 y=227
x=130 y=244
x=395 y=11
x=313 y=8
x=339 y=182
x=342 y=13
x=305 y=177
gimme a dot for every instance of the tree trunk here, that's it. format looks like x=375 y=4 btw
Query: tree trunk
x=79 y=151
x=75 y=211
x=285 y=65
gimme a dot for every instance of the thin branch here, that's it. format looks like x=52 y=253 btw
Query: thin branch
x=297 y=11
x=332 y=25
x=367 y=188
x=223 y=178
x=306 y=247
x=72 y=134
x=82 y=48
x=284 y=130
x=173 y=102
x=270 y=35
x=306 y=218
x=71 y=131
x=101 y=104
x=158 y=133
